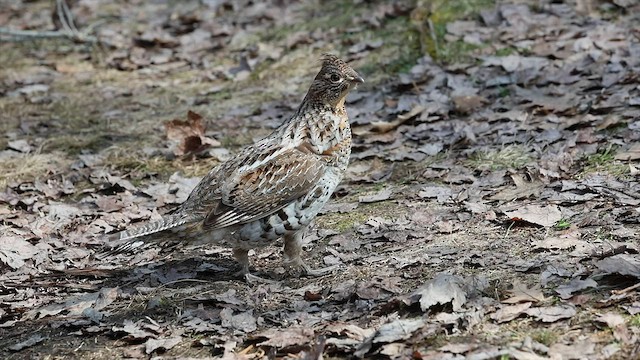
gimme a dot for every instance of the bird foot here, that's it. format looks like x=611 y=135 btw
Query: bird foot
x=254 y=279
x=320 y=272
x=306 y=270
x=244 y=274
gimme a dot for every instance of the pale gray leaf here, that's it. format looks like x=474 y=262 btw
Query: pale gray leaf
x=165 y=344
x=33 y=340
x=443 y=289
x=576 y=284
x=397 y=330
x=552 y=313
x=623 y=264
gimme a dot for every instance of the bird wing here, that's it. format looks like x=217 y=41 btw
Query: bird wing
x=258 y=190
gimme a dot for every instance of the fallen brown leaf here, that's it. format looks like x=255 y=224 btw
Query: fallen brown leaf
x=187 y=136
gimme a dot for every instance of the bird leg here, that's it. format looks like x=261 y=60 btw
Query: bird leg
x=242 y=257
x=293 y=251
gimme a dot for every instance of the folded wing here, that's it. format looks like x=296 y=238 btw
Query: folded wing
x=253 y=192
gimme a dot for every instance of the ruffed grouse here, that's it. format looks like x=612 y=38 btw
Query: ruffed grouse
x=273 y=188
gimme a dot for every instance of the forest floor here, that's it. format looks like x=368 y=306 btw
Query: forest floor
x=491 y=208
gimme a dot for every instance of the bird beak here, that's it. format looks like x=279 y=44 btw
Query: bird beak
x=356 y=79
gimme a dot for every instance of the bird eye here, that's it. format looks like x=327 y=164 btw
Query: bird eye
x=335 y=78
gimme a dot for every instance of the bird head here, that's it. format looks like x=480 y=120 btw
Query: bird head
x=333 y=82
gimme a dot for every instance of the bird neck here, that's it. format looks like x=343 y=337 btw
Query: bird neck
x=313 y=107
x=318 y=127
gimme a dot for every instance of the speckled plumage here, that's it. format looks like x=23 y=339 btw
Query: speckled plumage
x=273 y=188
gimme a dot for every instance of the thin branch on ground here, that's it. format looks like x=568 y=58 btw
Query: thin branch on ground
x=22 y=35
x=69 y=29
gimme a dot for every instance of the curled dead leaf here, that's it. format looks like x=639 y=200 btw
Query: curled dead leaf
x=187 y=136
x=510 y=312
x=384 y=126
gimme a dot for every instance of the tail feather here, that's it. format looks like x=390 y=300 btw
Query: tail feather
x=137 y=238
x=166 y=223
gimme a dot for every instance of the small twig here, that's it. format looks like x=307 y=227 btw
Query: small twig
x=434 y=36
x=625 y=290
x=62 y=16
x=66 y=16
x=506 y=234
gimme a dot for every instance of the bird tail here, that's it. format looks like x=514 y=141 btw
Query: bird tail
x=136 y=238
x=152 y=227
